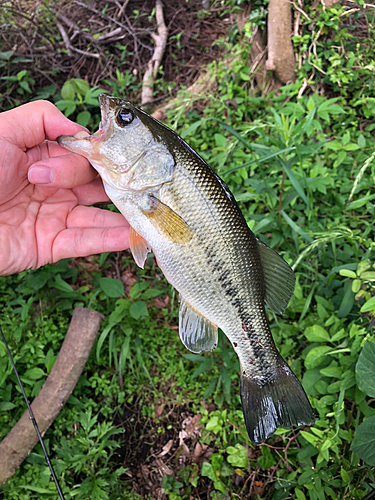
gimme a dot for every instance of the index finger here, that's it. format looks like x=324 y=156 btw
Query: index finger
x=32 y=123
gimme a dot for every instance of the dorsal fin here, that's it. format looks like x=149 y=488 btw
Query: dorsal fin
x=279 y=279
x=139 y=247
x=196 y=332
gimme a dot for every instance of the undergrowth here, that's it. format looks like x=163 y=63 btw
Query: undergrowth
x=302 y=166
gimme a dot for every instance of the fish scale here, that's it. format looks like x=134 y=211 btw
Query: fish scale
x=178 y=207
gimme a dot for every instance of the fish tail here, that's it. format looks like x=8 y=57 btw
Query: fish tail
x=278 y=402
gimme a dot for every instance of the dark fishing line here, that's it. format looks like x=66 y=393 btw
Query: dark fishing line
x=32 y=418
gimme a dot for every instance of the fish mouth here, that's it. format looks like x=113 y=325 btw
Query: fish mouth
x=108 y=107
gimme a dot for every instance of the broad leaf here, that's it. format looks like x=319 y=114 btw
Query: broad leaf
x=112 y=287
x=365 y=369
x=364 y=441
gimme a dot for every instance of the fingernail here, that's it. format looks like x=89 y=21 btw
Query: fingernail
x=40 y=175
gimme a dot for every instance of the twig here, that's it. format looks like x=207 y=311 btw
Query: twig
x=122 y=8
x=153 y=65
x=302 y=89
x=70 y=47
x=111 y=34
x=65 y=37
x=75 y=27
x=301 y=11
x=111 y=19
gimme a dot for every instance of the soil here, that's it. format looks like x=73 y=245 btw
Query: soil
x=92 y=40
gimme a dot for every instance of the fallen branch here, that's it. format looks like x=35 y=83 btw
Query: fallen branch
x=71 y=24
x=80 y=338
x=70 y=47
x=153 y=65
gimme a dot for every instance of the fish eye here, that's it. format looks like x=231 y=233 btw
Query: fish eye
x=124 y=117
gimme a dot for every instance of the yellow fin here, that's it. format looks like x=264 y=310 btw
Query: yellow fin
x=168 y=223
x=139 y=247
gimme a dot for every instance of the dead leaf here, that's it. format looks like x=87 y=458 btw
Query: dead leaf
x=163 y=469
x=166 y=448
x=159 y=410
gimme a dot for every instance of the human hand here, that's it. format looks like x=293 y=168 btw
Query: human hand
x=44 y=191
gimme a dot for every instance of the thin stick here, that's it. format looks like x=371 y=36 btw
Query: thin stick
x=32 y=418
x=160 y=39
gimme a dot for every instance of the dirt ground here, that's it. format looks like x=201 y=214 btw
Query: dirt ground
x=91 y=40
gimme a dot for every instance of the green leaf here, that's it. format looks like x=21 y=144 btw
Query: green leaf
x=203 y=367
x=310 y=438
x=369 y=305
x=80 y=85
x=266 y=460
x=316 y=333
x=112 y=287
x=316 y=356
x=347 y=302
x=138 y=288
x=351 y=147
x=6 y=406
x=208 y=471
x=365 y=369
x=334 y=145
x=194 y=126
x=37 y=279
x=67 y=91
x=364 y=441
x=344 y=475
x=62 y=285
x=238 y=456
x=361 y=141
x=340 y=158
x=34 y=374
x=297 y=186
x=260 y=160
x=296 y=228
x=347 y=273
x=5 y=56
x=138 y=309
x=83 y=118
x=299 y=494
x=360 y=202
x=101 y=340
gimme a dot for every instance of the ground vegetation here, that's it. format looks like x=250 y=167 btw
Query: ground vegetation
x=148 y=419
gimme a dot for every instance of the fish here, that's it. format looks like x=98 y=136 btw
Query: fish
x=182 y=211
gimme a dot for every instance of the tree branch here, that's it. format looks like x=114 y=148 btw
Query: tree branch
x=153 y=66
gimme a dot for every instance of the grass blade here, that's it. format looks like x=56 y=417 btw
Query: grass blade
x=296 y=228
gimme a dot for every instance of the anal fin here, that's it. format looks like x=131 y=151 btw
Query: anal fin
x=139 y=247
x=196 y=332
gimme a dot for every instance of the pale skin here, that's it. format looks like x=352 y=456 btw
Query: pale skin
x=46 y=193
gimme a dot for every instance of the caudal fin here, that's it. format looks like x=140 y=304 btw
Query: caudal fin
x=281 y=402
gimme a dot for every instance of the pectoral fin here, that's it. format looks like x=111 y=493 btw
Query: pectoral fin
x=139 y=247
x=196 y=332
x=167 y=222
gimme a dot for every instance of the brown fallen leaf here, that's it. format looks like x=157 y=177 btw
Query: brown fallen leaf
x=166 y=448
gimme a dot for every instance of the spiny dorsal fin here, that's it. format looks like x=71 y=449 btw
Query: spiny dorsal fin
x=196 y=332
x=279 y=279
x=167 y=222
x=139 y=247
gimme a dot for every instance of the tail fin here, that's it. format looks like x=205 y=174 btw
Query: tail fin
x=280 y=402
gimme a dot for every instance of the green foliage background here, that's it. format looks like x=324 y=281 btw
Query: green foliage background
x=302 y=166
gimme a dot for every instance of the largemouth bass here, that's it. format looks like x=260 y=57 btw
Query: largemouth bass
x=177 y=206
